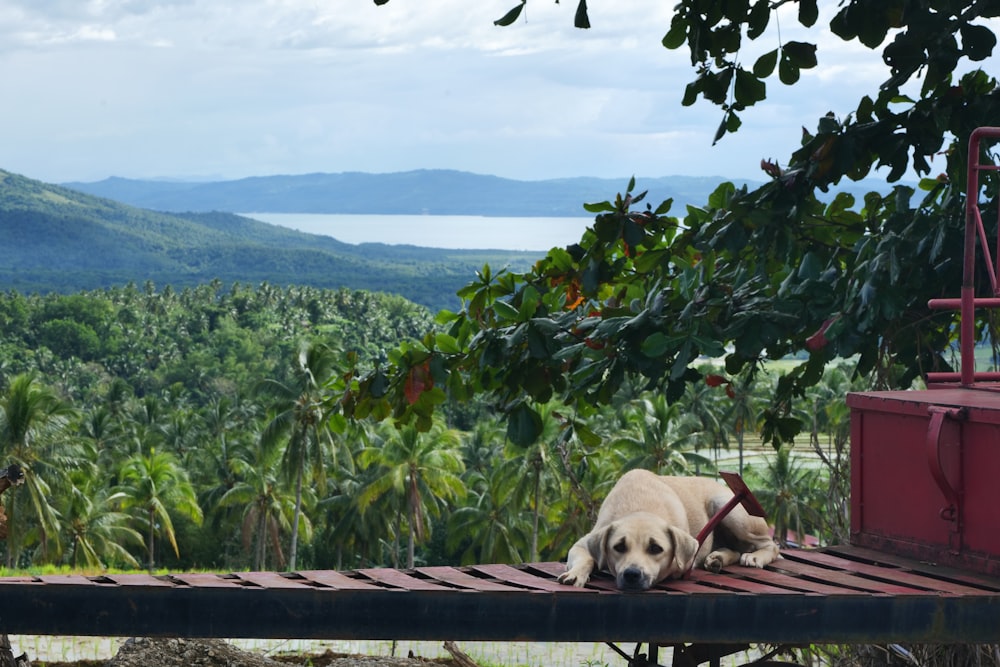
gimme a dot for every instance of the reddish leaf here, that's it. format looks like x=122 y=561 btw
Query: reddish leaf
x=715 y=380
x=418 y=381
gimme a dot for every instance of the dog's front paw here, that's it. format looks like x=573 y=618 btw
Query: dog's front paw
x=714 y=562
x=751 y=560
x=576 y=576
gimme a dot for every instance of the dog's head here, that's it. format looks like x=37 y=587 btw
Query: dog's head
x=642 y=549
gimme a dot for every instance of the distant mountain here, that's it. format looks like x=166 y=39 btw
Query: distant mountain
x=435 y=192
x=57 y=239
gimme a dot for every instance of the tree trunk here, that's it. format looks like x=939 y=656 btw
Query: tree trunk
x=534 y=528
x=410 y=543
x=293 y=549
x=150 y=541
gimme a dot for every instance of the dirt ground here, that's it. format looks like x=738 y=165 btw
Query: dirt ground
x=146 y=652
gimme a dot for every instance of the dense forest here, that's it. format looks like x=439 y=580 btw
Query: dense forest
x=57 y=239
x=192 y=428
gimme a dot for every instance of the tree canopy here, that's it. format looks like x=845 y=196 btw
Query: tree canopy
x=790 y=268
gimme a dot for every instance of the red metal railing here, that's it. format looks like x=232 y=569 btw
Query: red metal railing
x=968 y=302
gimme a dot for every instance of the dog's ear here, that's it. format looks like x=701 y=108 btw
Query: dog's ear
x=685 y=548
x=597 y=545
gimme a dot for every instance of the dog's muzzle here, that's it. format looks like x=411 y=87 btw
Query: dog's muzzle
x=632 y=579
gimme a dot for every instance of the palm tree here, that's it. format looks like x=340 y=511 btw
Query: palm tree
x=656 y=435
x=490 y=528
x=743 y=411
x=32 y=419
x=535 y=470
x=705 y=404
x=266 y=507
x=422 y=469
x=299 y=416
x=154 y=484
x=98 y=531
x=786 y=489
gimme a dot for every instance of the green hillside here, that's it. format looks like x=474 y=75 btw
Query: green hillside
x=57 y=239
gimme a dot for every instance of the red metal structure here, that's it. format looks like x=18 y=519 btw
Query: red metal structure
x=925 y=463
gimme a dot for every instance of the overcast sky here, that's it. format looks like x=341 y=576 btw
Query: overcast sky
x=225 y=89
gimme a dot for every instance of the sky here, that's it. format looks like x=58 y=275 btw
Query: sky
x=227 y=89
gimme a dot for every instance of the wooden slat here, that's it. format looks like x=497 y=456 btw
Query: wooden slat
x=789 y=582
x=929 y=569
x=271 y=580
x=734 y=580
x=899 y=575
x=139 y=580
x=401 y=579
x=522 y=578
x=338 y=580
x=68 y=579
x=463 y=579
x=841 y=578
x=206 y=580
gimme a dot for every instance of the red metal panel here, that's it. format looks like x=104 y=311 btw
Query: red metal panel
x=924 y=474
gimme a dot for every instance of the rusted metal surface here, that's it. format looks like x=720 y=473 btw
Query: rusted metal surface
x=842 y=595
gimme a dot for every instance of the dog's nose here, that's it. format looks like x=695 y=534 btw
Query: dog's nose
x=632 y=578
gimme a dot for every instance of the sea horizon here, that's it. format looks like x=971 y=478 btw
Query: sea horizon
x=462 y=232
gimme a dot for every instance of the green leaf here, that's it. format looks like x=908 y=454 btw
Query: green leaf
x=677 y=34
x=656 y=345
x=757 y=20
x=505 y=311
x=447 y=344
x=664 y=207
x=808 y=12
x=764 y=67
x=510 y=16
x=748 y=89
x=599 y=207
x=524 y=425
x=581 y=20
x=788 y=73
x=800 y=54
x=977 y=41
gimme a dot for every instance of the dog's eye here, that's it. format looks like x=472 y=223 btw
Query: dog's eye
x=654 y=548
x=620 y=547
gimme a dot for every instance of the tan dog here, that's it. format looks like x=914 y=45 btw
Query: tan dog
x=644 y=532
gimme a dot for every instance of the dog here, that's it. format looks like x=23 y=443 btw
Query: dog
x=645 y=527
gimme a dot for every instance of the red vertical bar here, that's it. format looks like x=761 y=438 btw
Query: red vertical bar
x=967 y=330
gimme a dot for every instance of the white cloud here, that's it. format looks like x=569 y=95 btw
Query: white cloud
x=233 y=89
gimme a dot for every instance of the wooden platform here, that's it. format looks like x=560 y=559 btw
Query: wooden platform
x=835 y=595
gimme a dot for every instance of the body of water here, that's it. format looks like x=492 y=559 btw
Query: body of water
x=437 y=231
